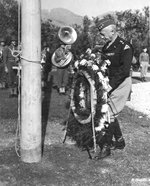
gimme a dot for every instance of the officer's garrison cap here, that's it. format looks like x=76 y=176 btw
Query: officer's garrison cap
x=104 y=23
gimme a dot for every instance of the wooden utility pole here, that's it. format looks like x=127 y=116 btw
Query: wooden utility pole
x=30 y=140
x=149 y=29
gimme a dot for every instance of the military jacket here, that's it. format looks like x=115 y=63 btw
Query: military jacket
x=144 y=57
x=120 y=54
x=7 y=55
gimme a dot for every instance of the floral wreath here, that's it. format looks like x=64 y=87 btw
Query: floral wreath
x=89 y=109
x=90 y=81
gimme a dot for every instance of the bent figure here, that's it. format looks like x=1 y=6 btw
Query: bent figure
x=120 y=53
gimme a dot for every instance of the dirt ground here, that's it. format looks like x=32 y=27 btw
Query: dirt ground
x=65 y=164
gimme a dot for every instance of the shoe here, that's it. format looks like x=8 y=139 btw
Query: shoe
x=119 y=144
x=15 y=95
x=62 y=90
x=104 y=152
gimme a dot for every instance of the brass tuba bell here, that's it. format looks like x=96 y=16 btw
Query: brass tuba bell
x=67 y=35
x=61 y=57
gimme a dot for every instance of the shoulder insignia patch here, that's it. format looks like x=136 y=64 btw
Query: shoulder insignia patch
x=126 y=47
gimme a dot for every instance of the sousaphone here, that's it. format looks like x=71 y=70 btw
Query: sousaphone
x=68 y=36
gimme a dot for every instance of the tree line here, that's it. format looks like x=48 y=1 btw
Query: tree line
x=132 y=25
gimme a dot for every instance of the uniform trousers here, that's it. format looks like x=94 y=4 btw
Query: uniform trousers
x=116 y=102
x=2 y=74
x=63 y=76
x=118 y=98
x=12 y=75
x=144 y=69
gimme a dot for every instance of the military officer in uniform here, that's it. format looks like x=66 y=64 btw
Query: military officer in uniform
x=120 y=54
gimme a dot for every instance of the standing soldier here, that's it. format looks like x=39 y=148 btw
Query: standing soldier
x=144 y=62
x=2 y=69
x=46 y=64
x=9 y=62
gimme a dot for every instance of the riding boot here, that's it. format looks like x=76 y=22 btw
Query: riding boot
x=120 y=142
x=105 y=143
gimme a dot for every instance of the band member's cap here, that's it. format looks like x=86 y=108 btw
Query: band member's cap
x=104 y=23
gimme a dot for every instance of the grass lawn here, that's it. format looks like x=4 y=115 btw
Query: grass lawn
x=66 y=165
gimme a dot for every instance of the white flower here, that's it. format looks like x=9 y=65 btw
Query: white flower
x=107 y=62
x=93 y=55
x=82 y=103
x=106 y=79
x=83 y=62
x=89 y=63
x=95 y=67
x=81 y=95
x=105 y=85
x=103 y=68
x=101 y=125
x=101 y=77
x=104 y=96
x=88 y=51
x=76 y=64
x=104 y=108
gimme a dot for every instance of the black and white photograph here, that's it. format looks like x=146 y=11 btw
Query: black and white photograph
x=74 y=93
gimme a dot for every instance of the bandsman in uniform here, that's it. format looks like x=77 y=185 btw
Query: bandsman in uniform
x=120 y=54
x=10 y=62
x=64 y=56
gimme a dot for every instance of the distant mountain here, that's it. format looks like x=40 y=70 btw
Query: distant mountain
x=45 y=14
x=62 y=17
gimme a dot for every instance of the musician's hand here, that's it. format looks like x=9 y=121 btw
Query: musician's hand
x=67 y=48
x=60 y=54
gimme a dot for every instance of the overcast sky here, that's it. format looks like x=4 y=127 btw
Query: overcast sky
x=94 y=7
